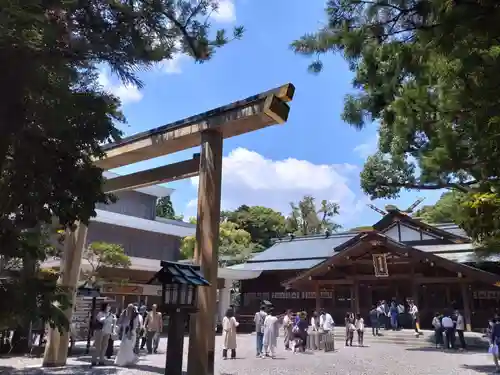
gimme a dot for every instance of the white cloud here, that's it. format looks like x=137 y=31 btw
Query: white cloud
x=127 y=93
x=368 y=148
x=250 y=178
x=226 y=13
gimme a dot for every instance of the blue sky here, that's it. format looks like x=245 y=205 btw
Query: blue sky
x=313 y=153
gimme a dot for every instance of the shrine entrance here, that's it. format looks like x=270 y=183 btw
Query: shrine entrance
x=372 y=267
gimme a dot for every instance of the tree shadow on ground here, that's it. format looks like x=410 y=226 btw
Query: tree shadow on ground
x=4 y=370
x=429 y=349
x=484 y=369
x=149 y=368
x=74 y=370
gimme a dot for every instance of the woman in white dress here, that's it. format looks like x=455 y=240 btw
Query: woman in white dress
x=271 y=331
x=130 y=323
x=229 y=325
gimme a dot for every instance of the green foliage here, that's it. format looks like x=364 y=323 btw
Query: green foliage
x=56 y=116
x=32 y=293
x=235 y=245
x=305 y=219
x=426 y=73
x=262 y=223
x=445 y=210
x=100 y=255
x=165 y=209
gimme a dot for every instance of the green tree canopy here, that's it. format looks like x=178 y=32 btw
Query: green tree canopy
x=235 y=244
x=56 y=116
x=100 y=255
x=261 y=223
x=426 y=73
x=165 y=209
x=306 y=219
x=445 y=210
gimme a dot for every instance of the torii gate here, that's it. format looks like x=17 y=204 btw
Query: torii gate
x=208 y=131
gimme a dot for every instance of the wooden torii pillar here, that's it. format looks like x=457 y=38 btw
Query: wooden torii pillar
x=202 y=325
x=208 y=130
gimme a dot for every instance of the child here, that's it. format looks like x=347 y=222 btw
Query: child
x=360 y=328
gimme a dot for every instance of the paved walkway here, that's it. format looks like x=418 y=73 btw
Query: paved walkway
x=376 y=359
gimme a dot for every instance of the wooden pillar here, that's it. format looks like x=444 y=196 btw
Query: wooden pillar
x=317 y=295
x=356 y=297
x=175 y=343
x=202 y=327
x=466 y=302
x=448 y=294
x=56 y=350
x=351 y=295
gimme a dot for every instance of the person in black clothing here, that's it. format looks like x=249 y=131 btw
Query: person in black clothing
x=144 y=313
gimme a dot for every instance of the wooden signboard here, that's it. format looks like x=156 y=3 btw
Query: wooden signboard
x=380 y=265
x=135 y=290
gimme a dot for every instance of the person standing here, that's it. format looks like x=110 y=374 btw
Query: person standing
x=360 y=328
x=374 y=320
x=153 y=326
x=326 y=322
x=259 y=319
x=449 y=331
x=103 y=328
x=349 y=328
x=460 y=328
x=287 y=328
x=271 y=331
x=130 y=322
x=495 y=341
x=414 y=317
x=229 y=325
x=300 y=334
x=143 y=311
x=438 y=330
x=393 y=312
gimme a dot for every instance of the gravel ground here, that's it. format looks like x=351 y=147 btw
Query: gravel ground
x=376 y=359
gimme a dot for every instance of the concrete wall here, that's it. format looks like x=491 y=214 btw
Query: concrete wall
x=136 y=242
x=132 y=203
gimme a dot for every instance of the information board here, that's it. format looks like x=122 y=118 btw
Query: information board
x=82 y=314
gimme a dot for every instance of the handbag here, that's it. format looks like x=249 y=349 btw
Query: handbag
x=493 y=349
x=115 y=334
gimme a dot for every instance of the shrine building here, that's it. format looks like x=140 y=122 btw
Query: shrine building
x=401 y=258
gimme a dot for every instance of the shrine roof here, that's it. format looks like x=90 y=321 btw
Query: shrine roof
x=278 y=265
x=366 y=240
x=304 y=252
x=309 y=247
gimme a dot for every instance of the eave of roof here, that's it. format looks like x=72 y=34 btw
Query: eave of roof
x=170 y=227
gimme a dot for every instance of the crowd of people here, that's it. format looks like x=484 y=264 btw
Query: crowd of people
x=135 y=326
x=446 y=327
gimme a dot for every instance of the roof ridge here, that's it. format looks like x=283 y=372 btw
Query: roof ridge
x=312 y=236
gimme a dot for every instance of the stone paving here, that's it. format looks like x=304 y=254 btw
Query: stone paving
x=376 y=359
